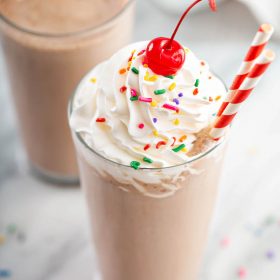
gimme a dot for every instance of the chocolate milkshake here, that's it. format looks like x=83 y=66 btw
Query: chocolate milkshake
x=149 y=170
x=48 y=46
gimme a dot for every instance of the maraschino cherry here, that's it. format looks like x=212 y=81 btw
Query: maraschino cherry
x=165 y=56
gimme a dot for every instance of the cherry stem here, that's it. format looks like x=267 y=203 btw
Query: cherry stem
x=168 y=45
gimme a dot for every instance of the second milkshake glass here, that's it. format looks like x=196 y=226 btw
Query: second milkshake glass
x=43 y=69
x=149 y=223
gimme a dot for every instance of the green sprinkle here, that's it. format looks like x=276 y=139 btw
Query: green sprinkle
x=135 y=164
x=147 y=160
x=135 y=70
x=160 y=91
x=169 y=77
x=179 y=148
x=204 y=97
x=196 y=83
x=134 y=98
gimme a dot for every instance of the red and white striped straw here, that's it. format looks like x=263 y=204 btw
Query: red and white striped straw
x=260 y=41
x=250 y=82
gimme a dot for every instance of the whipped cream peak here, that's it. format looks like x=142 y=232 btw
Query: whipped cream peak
x=132 y=116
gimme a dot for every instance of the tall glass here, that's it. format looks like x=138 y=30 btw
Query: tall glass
x=43 y=69
x=149 y=224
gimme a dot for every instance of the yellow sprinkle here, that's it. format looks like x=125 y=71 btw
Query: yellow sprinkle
x=153 y=103
x=146 y=78
x=155 y=132
x=218 y=97
x=145 y=65
x=153 y=78
x=172 y=86
x=122 y=71
x=185 y=150
x=2 y=239
x=183 y=138
x=93 y=80
x=176 y=121
x=186 y=50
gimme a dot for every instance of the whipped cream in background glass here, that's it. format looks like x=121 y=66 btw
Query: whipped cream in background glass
x=134 y=129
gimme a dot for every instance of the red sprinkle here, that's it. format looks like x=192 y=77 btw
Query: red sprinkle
x=195 y=91
x=141 y=125
x=146 y=147
x=170 y=107
x=123 y=89
x=160 y=143
x=174 y=140
x=100 y=120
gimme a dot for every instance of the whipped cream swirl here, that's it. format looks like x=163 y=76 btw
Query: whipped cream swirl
x=128 y=114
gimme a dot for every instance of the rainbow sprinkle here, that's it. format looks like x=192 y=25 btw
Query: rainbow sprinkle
x=196 y=84
x=145 y=99
x=217 y=98
x=135 y=164
x=146 y=147
x=174 y=141
x=155 y=132
x=141 y=125
x=195 y=91
x=93 y=80
x=172 y=87
x=170 y=77
x=154 y=120
x=180 y=94
x=133 y=92
x=122 y=71
x=141 y=52
x=160 y=91
x=147 y=160
x=135 y=70
x=123 y=89
x=170 y=107
x=183 y=138
x=176 y=121
x=134 y=98
x=100 y=120
x=176 y=101
x=160 y=143
x=179 y=148
x=153 y=103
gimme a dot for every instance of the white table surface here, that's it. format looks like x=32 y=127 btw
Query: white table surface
x=45 y=227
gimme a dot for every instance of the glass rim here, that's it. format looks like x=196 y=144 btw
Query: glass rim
x=85 y=31
x=83 y=142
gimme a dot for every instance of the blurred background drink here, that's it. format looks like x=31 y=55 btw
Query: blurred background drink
x=48 y=46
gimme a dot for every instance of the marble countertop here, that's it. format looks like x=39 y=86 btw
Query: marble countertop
x=44 y=230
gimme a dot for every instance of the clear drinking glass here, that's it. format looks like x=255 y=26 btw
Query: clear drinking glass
x=43 y=70
x=149 y=223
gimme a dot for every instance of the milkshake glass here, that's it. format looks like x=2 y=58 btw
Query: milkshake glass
x=147 y=222
x=48 y=46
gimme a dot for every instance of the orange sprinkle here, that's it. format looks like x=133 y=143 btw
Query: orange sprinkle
x=160 y=143
x=122 y=71
x=210 y=99
x=195 y=91
x=218 y=97
x=183 y=138
x=145 y=65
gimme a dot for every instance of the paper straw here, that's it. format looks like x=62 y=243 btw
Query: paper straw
x=260 y=41
x=250 y=82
